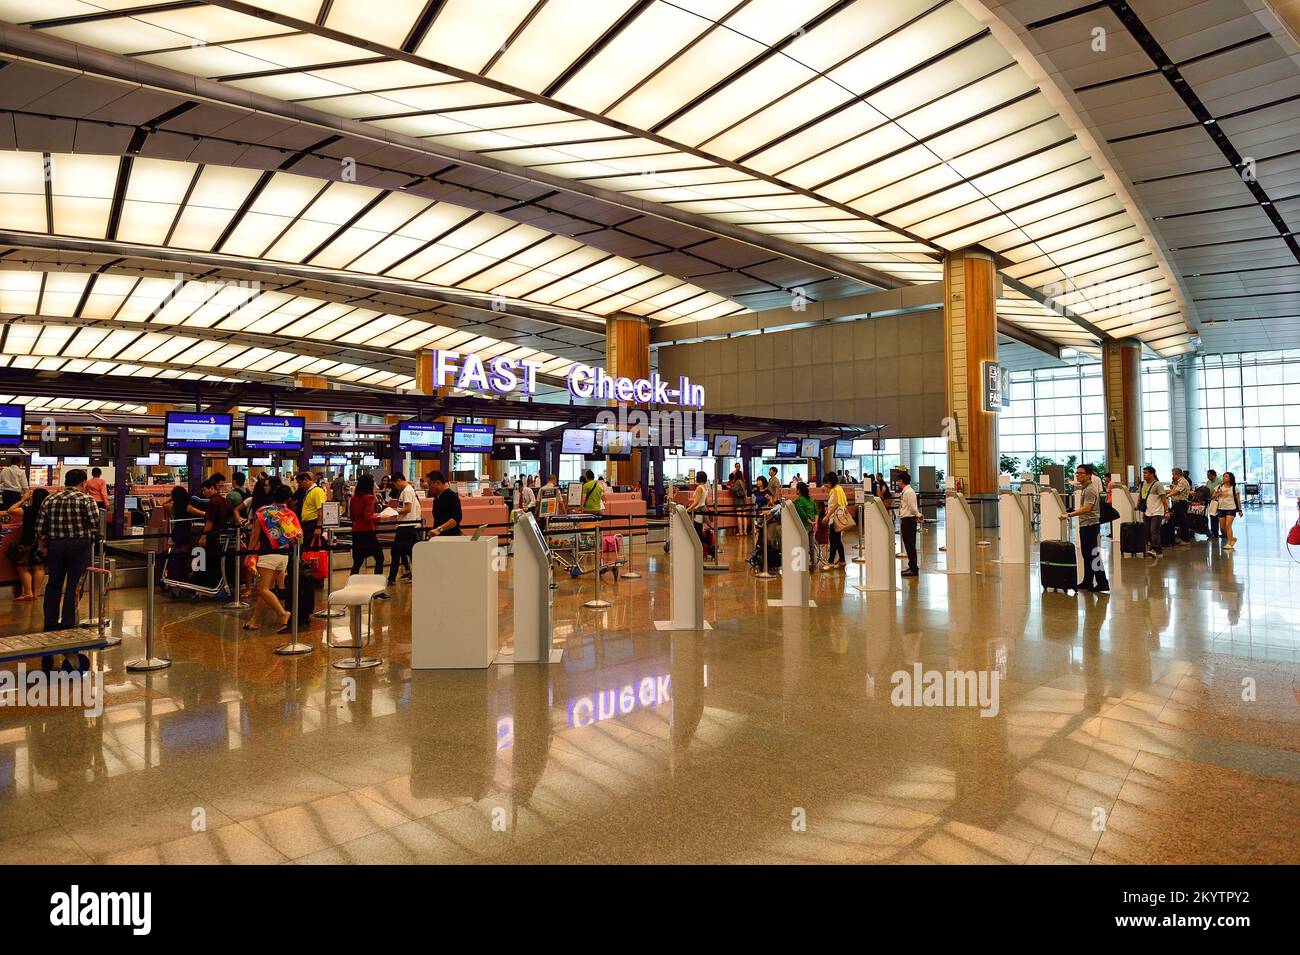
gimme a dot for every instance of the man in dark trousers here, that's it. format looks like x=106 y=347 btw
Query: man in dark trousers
x=909 y=515
x=66 y=527
x=446 y=506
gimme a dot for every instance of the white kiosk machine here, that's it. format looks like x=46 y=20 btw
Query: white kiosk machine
x=878 y=532
x=959 y=531
x=453 y=604
x=1013 y=527
x=531 y=581
x=795 y=577
x=1050 y=526
x=686 y=574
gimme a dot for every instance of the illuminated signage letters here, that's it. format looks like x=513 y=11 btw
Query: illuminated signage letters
x=505 y=375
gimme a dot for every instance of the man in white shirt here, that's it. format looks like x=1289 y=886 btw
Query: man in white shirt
x=1153 y=502
x=909 y=515
x=407 y=505
x=13 y=483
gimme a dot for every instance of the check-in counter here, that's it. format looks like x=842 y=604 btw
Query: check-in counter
x=474 y=512
x=625 y=504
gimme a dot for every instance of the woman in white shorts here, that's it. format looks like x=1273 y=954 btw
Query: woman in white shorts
x=275 y=526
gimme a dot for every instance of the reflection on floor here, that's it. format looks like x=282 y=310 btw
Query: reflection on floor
x=1121 y=733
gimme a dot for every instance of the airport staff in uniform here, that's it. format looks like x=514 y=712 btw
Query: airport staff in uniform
x=13 y=483
x=313 y=496
x=909 y=515
x=65 y=529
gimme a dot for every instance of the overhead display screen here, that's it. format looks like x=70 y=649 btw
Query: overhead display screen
x=695 y=447
x=724 y=445
x=577 y=441
x=472 y=438
x=616 y=442
x=11 y=425
x=175 y=460
x=420 y=436
x=810 y=448
x=844 y=447
x=787 y=448
x=201 y=431
x=272 y=433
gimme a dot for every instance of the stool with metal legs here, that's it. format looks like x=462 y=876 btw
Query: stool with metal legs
x=358 y=594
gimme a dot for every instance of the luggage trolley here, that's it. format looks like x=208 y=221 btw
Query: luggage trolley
x=173 y=579
x=572 y=539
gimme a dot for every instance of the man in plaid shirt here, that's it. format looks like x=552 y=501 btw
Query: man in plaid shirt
x=65 y=527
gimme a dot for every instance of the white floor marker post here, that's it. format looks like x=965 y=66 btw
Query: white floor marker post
x=686 y=574
x=795 y=576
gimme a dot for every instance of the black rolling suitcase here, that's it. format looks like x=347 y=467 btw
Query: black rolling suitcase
x=1199 y=523
x=1133 y=539
x=1056 y=565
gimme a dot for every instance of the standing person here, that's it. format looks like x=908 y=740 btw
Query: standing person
x=1089 y=514
x=1180 y=501
x=550 y=491
x=807 y=508
x=97 y=488
x=13 y=483
x=339 y=490
x=219 y=518
x=740 y=495
x=407 y=505
x=65 y=527
x=1212 y=482
x=696 y=507
x=275 y=530
x=23 y=551
x=446 y=506
x=261 y=495
x=773 y=486
x=239 y=487
x=593 y=496
x=313 y=496
x=909 y=515
x=837 y=507
x=365 y=540
x=1153 y=502
x=1229 y=506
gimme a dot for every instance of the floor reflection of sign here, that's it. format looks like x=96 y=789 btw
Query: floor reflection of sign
x=605 y=704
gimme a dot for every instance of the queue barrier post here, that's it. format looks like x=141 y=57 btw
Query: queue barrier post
x=236 y=603
x=149 y=662
x=630 y=573
x=596 y=603
x=294 y=647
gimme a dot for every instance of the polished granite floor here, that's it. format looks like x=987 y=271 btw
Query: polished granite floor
x=1121 y=734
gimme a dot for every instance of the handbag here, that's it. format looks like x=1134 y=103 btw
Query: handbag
x=1108 y=512
x=316 y=563
x=1212 y=509
x=1293 y=535
x=842 y=520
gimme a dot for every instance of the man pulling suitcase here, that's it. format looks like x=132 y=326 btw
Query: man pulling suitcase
x=1088 y=514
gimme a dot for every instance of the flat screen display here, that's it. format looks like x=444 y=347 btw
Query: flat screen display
x=616 y=442
x=339 y=459
x=132 y=502
x=724 y=445
x=810 y=448
x=41 y=460
x=316 y=459
x=261 y=462
x=472 y=438
x=77 y=461
x=420 y=436
x=147 y=460
x=237 y=462
x=11 y=425
x=695 y=447
x=175 y=460
x=369 y=460
x=844 y=447
x=577 y=441
x=202 y=431
x=264 y=432
x=787 y=448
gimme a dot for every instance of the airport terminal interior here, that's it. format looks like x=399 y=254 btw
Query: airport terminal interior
x=649 y=431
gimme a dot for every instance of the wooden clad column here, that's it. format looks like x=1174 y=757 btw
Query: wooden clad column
x=627 y=354
x=1121 y=362
x=970 y=287
x=312 y=381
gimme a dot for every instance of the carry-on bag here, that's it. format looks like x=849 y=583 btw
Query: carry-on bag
x=1133 y=539
x=1057 y=567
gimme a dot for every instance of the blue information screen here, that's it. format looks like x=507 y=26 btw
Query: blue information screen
x=472 y=437
x=420 y=436
x=202 y=431
x=272 y=433
x=11 y=425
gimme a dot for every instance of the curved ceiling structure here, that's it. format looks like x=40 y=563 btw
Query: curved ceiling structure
x=510 y=174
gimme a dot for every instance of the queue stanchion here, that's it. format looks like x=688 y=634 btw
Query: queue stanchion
x=235 y=603
x=596 y=603
x=92 y=578
x=149 y=662
x=861 y=546
x=329 y=612
x=630 y=573
x=294 y=647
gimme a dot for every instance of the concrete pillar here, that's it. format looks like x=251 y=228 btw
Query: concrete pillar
x=970 y=293
x=627 y=354
x=1122 y=379
x=1190 y=383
